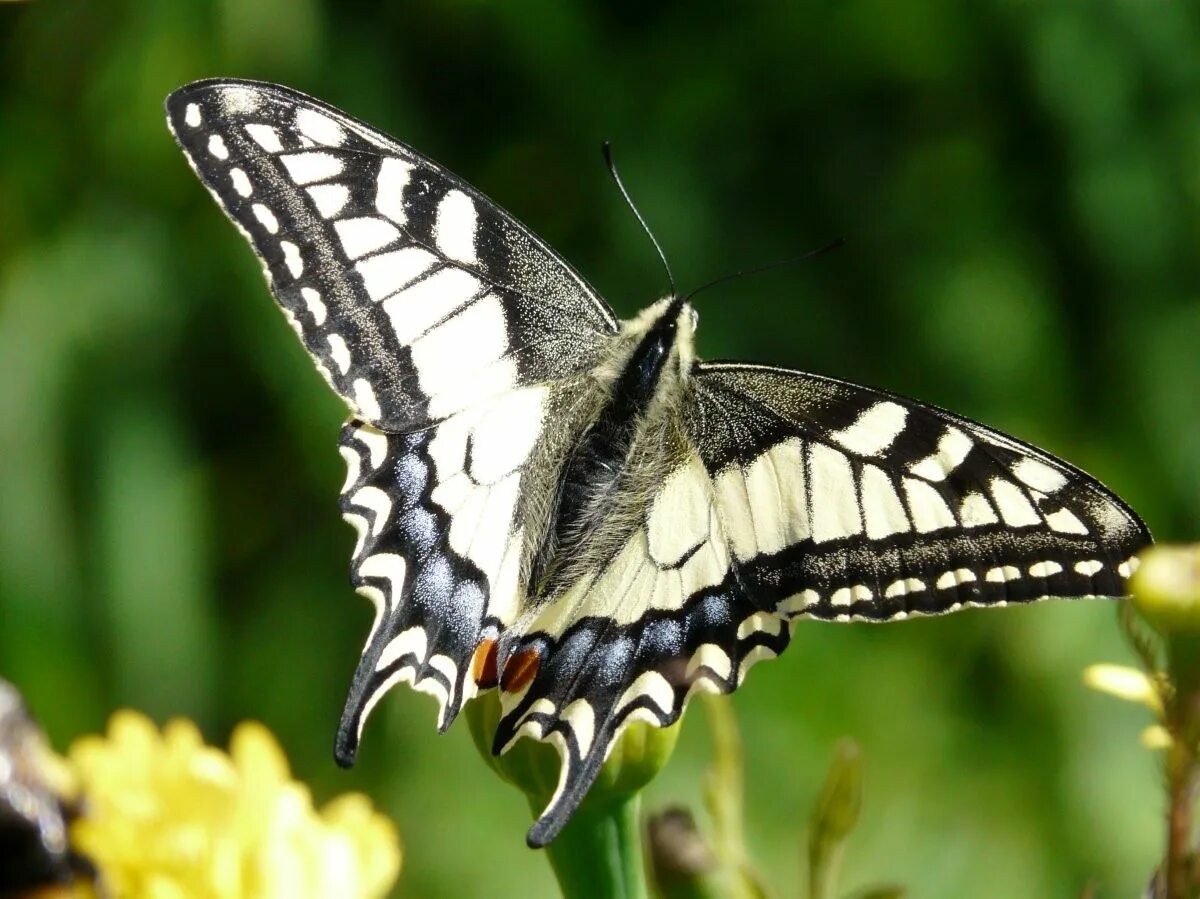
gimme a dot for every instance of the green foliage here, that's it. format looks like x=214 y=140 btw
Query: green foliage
x=1018 y=186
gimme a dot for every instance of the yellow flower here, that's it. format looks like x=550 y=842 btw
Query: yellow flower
x=168 y=817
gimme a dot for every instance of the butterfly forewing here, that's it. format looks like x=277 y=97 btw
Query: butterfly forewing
x=840 y=502
x=416 y=296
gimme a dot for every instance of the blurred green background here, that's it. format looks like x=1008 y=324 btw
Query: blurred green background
x=1018 y=182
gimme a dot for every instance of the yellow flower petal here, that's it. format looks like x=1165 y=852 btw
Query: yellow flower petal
x=169 y=817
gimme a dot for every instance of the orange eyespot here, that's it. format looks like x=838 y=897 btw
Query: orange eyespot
x=483 y=664
x=521 y=669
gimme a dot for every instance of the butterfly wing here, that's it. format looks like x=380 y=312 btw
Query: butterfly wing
x=899 y=507
x=448 y=328
x=794 y=496
x=442 y=516
x=415 y=295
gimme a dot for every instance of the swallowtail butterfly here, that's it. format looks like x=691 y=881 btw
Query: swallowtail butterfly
x=575 y=509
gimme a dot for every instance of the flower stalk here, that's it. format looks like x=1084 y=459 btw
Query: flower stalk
x=1165 y=593
x=599 y=851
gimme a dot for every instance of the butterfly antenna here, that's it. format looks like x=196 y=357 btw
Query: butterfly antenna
x=606 y=149
x=832 y=245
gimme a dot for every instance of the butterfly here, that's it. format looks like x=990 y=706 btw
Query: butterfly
x=576 y=510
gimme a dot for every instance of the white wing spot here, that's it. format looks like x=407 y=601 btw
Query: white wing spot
x=1066 y=522
x=454 y=232
x=465 y=344
x=410 y=642
x=928 y=508
x=954 y=578
x=952 y=449
x=216 y=146
x=712 y=657
x=1089 y=567
x=1129 y=566
x=436 y=300
x=378 y=502
x=385 y=273
x=654 y=687
x=329 y=198
x=316 y=308
x=353 y=461
x=759 y=622
x=320 y=127
x=191 y=115
x=1014 y=508
x=376 y=443
x=874 y=430
x=241 y=183
x=365 y=401
x=237 y=100
x=799 y=602
x=845 y=596
x=881 y=505
x=360 y=236
x=389 y=188
x=389 y=567
x=1039 y=475
x=359 y=523
x=904 y=586
x=1002 y=574
x=1044 y=569
x=265 y=217
x=339 y=351
x=976 y=511
x=266 y=137
x=291 y=258
x=834 y=497
x=306 y=168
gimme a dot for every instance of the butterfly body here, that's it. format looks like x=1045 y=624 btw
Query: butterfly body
x=601 y=488
x=576 y=510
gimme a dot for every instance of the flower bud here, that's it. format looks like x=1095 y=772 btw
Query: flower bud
x=1166 y=588
x=682 y=864
x=533 y=766
x=837 y=810
x=1125 y=683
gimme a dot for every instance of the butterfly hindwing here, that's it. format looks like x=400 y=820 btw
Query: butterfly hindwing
x=414 y=294
x=441 y=515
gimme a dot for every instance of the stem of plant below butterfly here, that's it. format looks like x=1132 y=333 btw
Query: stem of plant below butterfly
x=599 y=852
x=1183 y=719
x=1180 y=796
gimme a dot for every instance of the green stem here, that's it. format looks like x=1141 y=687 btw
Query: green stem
x=599 y=852
x=1183 y=720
